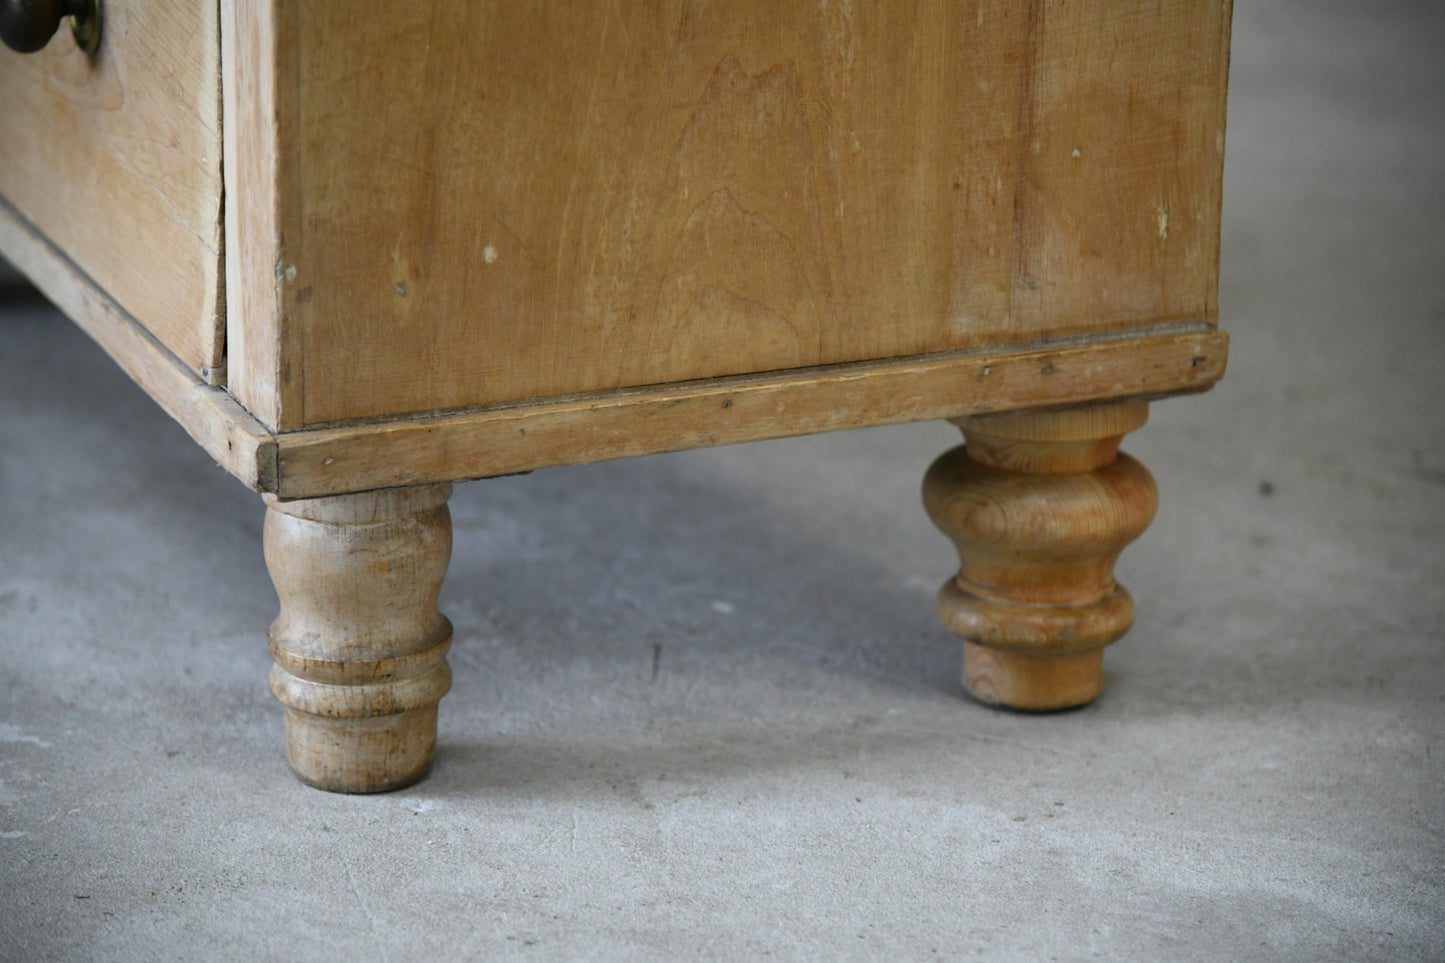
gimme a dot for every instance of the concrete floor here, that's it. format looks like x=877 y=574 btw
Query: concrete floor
x=800 y=777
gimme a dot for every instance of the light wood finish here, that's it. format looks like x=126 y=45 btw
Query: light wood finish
x=558 y=198
x=473 y=239
x=254 y=239
x=676 y=418
x=1120 y=148
x=1039 y=507
x=511 y=439
x=226 y=431
x=117 y=159
x=360 y=647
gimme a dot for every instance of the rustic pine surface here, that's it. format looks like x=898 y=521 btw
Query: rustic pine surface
x=702 y=708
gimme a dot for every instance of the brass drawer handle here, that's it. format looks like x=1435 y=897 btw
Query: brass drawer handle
x=28 y=25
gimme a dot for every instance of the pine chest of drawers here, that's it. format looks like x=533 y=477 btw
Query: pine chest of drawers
x=363 y=251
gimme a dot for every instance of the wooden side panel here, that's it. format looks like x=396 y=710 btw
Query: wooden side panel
x=491 y=202
x=258 y=93
x=1121 y=149
x=523 y=200
x=117 y=160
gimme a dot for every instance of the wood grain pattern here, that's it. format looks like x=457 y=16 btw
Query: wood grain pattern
x=117 y=159
x=1039 y=506
x=360 y=647
x=224 y=429
x=255 y=89
x=511 y=439
x=1121 y=144
x=489 y=203
x=520 y=438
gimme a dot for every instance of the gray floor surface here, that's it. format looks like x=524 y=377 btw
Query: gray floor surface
x=702 y=709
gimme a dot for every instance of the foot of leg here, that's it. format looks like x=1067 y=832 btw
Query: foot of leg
x=1039 y=507
x=360 y=647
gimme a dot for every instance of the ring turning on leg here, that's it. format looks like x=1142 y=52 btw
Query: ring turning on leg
x=360 y=647
x=1039 y=507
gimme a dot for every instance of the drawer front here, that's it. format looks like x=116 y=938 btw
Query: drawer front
x=116 y=158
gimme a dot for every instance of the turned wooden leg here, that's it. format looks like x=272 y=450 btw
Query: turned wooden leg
x=360 y=647
x=1039 y=506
